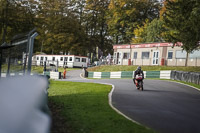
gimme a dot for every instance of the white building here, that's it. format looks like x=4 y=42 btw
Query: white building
x=61 y=60
x=154 y=54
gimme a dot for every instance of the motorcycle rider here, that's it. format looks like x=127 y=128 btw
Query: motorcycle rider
x=138 y=71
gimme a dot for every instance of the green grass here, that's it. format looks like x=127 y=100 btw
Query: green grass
x=39 y=69
x=84 y=108
x=144 y=68
x=187 y=83
x=34 y=69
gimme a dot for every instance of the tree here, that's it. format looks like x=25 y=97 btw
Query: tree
x=150 y=32
x=96 y=26
x=140 y=33
x=126 y=15
x=12 y=23
x=181 y=19
x=60 y=30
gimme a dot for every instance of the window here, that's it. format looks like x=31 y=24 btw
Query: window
x=66 y=58
x=61 y=58
x=83 y=59
x=126 y=55
x=145 y=55
x=41 y=58
x=45 y=58
x=135 y=55
x=70 y=59
x=194 y=54
x=53 y=59
x=77 y=59
x=170 y=54
x=115 y=55
x=181 y=54
x=37 y=58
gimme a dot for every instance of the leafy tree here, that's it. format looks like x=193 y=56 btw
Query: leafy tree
x=59 y=28
x=16 y=17
x=96 y=26
x=150 y=32
x=126 y=15
x=182 y=18
x=140 y=33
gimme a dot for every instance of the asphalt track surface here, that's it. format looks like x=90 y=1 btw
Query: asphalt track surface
x=164 y=106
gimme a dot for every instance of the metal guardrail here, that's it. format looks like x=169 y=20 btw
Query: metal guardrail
x=191 y=77
x=23 y=103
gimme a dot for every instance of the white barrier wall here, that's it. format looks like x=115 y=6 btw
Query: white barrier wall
x=165 y=74
x=97 y=75
x=55 y=75
x=115 y=74
x=130 y=74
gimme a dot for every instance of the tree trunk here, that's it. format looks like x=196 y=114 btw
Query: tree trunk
x=116 y=39
x=5 y=23
x=186 y=60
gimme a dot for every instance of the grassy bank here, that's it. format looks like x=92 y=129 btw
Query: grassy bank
x=187 y=83
x=84 y=108
x=34 y=69
x=39 y=69
x=115 y=68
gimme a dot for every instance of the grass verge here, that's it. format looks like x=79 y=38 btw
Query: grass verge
x=34 y=69
x=84 y=108
x=115 y=68
x=187 y=83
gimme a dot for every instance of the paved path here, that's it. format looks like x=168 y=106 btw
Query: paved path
x=164 y=106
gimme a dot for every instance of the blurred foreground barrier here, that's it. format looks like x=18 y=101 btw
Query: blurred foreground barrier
x=191 y=77
x=23 y=105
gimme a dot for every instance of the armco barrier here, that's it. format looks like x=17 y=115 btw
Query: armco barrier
x=191 y=77
x=130 y=74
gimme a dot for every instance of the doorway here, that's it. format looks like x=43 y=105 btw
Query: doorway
x=155 y=58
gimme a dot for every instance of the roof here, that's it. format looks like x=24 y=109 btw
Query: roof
x=59 y=55
x=145 y=45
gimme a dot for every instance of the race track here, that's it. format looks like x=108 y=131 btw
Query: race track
x=166 y=107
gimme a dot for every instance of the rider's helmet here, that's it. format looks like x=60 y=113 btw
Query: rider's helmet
x=139 y=68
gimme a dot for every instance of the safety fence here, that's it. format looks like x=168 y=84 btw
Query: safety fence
x=191 y=77
x=130 y=74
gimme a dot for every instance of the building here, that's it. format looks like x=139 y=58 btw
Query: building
x=154 y=54
x=60 y=60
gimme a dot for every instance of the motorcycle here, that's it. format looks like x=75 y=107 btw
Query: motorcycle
x=139 y=82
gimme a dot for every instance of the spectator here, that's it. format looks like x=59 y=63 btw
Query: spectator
x=64 y=73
